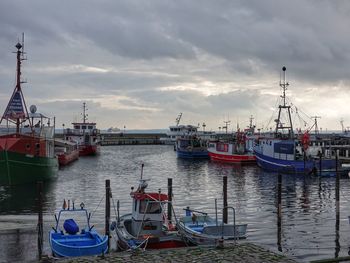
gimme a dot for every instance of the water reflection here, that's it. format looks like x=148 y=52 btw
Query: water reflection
x=295 y=216
x=21 y=199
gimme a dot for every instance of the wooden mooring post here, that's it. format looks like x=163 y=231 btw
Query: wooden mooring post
x=170 y=199
x=279 y=212
x=40 y=219
x=224 y=216
x=108 y=210
x=337 y=209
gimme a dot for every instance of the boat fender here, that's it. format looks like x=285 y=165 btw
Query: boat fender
x=113 y=226
x=171 y=227
x=132 y=244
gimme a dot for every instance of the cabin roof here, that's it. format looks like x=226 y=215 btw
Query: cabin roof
x=149 y=196
x=83 y=123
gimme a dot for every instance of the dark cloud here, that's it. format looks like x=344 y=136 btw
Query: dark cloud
x=145 y=61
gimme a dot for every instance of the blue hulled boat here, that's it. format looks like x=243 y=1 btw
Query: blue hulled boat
x=284 y=151
x=66 y=240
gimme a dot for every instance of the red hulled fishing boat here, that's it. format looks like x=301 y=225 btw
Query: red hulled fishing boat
x=147 y=226
x=85 y=134
x=26 y=150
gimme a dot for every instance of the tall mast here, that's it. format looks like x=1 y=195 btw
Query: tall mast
x=84 y=113
x=16 y=110
x=279 y=125
x=178 y=119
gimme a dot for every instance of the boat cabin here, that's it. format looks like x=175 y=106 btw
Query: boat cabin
x=83 y=133
x=147 y=213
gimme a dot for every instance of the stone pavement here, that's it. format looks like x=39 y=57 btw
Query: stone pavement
x=244 y=252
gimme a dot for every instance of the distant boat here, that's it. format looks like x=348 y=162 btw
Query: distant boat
x=236 y=150
x=191 y=146
x=26 y=149
x=284 y=151
x=113 y=130
x=147 y=226
x=66 y=151
x=86 y=134
x=178 y=130
x=68 y=239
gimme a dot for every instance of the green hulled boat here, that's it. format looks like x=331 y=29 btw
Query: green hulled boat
x=26 y=150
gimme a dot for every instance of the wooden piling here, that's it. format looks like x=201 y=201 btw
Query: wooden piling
x=40 y=219
x=337 y=209
x=108 y=210
x=170 y=198
x=224 y=216
x=279 y=212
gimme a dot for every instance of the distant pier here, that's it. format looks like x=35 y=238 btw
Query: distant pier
x=131 y=138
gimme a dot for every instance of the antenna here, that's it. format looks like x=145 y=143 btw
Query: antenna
x=85 y=115
x=315 y=123
x=226 y=125
x=178 y=119
x=342 y=124
x=23 y=45
x=284 y=84
x=279 y=125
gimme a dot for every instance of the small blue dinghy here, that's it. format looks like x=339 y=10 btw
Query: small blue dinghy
x=66 y=240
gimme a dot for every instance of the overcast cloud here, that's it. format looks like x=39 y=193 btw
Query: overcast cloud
x=140 y=63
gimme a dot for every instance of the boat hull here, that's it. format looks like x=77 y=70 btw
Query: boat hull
x=20 y=168
x=293 y=166
x=205 y=231
x=233 y=158
x=192 y=154
x=168 y=239
x=87 y=244
x=86 y=150
x=66 y=158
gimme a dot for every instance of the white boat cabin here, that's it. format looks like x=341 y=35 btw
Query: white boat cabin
x=83 y=133
x=147 y=213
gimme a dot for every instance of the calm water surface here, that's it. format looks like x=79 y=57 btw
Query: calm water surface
x=308 y=203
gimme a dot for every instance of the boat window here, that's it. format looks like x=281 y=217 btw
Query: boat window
x=83 y=127
x=222 y=147
x=76 y=127
x=90 y=127
x=135 y=205
x=152 y=207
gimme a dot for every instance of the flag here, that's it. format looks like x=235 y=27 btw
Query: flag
x=15 y=109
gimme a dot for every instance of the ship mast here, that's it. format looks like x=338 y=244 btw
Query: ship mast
x=16 y=110
x=178 y=119
x=85 y=115
x=279 y=125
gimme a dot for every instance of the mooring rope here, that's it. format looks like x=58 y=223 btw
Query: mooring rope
x=97 y=206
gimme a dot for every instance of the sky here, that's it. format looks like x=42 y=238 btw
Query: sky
x=139 y=64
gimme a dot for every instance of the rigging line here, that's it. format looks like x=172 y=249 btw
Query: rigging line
x=97 y=206
x=115 y=211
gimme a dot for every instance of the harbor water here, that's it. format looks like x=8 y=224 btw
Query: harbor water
x=308 y=222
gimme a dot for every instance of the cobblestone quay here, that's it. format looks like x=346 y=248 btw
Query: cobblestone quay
x=246 y=252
